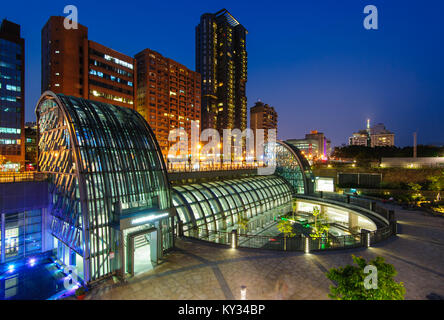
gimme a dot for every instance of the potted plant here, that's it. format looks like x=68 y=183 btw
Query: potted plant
x=80 y=293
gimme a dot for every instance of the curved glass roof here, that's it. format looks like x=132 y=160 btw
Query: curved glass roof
x=101 y=157
x=217 y=205
x=293 y=167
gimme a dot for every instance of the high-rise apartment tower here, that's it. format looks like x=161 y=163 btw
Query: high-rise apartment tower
x=221 y=59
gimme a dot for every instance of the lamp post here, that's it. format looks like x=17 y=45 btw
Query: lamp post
x=220 y=154
x=243 y=292
x=199 y=146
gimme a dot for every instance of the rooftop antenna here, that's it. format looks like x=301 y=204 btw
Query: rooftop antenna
x=369 y=141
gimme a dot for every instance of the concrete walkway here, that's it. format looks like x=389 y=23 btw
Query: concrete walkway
x=198 y=270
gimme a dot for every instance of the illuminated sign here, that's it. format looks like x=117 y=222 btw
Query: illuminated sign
x=325 y=184
x=148 y=218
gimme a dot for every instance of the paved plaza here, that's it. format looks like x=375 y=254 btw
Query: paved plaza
x=199 y=270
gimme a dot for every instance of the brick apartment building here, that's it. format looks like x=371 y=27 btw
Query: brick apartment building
x=168 y=95
x=263 y=116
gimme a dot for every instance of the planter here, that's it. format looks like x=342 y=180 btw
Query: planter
x=80 y=293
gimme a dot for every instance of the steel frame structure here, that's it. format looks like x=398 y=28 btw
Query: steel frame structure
x=101 y=158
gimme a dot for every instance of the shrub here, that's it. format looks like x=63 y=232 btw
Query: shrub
x=350 y=281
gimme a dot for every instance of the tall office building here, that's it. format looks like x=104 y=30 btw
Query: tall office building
x=168 y=96
x=221 y=59
x=76 y=66
x=12 y=97
x=263 y=116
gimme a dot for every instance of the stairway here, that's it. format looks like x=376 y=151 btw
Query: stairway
x=141 y=241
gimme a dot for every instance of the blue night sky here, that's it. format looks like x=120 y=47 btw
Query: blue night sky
x=312 y=60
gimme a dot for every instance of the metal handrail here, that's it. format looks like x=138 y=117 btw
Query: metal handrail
x=212 y=167
x=297 y=243
x=8 y=177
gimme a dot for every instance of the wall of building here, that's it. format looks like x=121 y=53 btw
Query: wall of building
x=221 y=59
x=76 y=66
x=314 y=146
x=391 y=177
x=12 y=97
x=168 y=96
x=263 y=116
x=24 y=220
x=421 y=162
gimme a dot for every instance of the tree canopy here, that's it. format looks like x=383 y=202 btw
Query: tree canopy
x=350 y=281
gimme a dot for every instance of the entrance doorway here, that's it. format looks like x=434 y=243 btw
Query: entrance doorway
x=142 y=251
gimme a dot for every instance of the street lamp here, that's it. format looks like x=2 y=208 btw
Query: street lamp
x=220 y=155
x=199 y=146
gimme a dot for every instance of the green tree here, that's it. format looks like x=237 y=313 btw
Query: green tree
x=321 y=227
x=436 y=183
x=350 y=281
x=416 y=195
x=286 y=227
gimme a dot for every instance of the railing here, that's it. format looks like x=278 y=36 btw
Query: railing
x=279 y=243
x=382 y=233
x=172 y=167
x=301 y=242
x=215 y=236
x=354 y=200
x=7 y=177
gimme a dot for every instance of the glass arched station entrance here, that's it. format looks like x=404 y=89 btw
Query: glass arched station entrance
x=111 y=208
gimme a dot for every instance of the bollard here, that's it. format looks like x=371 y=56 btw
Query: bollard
x=307 y=245
x=243 y=292
x=234 y=239
x=365 y=238
x=391 y=215
x=180 y=228
x=392 y=221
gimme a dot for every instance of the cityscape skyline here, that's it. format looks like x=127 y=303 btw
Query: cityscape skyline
x=370 y=63
x=273 y=161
